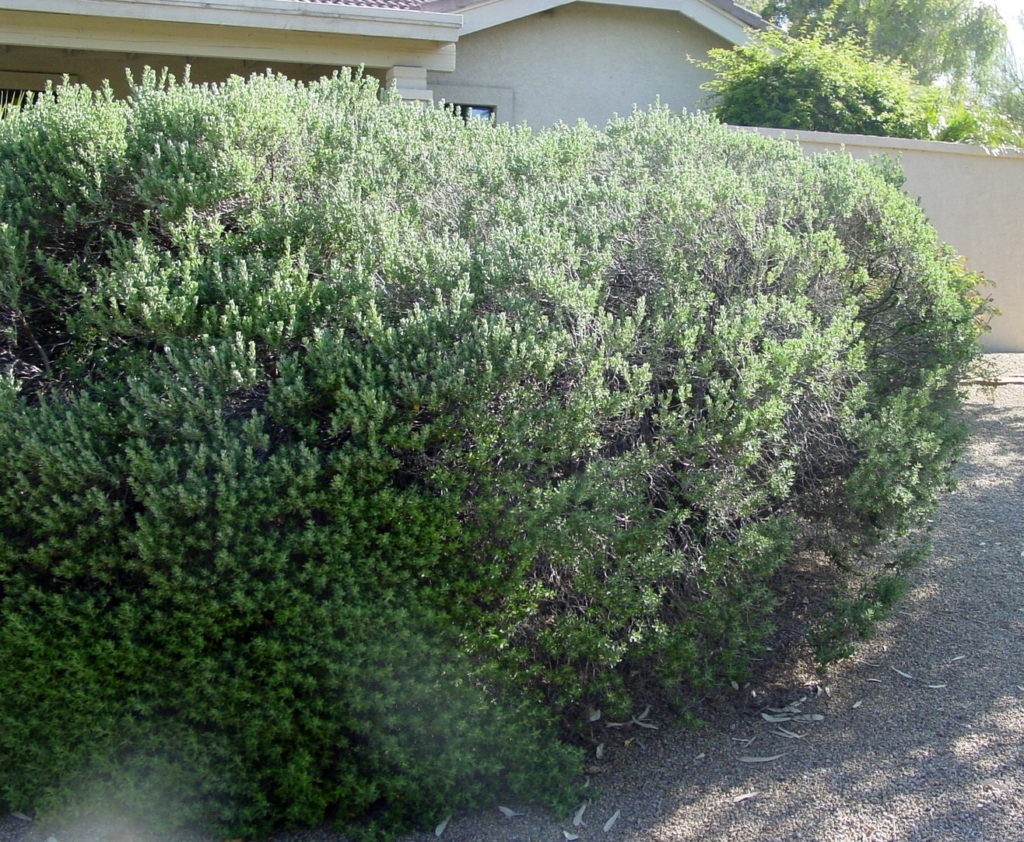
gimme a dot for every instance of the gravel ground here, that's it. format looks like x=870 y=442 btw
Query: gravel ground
x=920 y=737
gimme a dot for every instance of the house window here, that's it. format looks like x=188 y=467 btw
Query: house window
x=473 y=112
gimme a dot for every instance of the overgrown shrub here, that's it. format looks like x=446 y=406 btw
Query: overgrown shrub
x=351 y=450
x=818 y=85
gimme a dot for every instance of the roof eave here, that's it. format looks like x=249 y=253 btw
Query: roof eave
x=723 y=17
x=430 y=25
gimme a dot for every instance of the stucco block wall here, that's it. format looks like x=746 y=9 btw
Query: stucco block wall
x=579 y=60
x=975 y=199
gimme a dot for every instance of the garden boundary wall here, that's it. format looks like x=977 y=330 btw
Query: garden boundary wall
x=974 y=196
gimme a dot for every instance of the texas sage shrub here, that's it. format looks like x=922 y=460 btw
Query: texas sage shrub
x=351 y=451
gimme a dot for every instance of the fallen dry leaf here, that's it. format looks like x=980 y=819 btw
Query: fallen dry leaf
x=901 y=672
x=643 y=724
x=936 y=686
x=569 y=836
x=577 y=819
x=441 y=828
x=762 y=759
x=745 y=797
x=858 y=703
x=508 y=813
x=615 y=817
x=599 y=751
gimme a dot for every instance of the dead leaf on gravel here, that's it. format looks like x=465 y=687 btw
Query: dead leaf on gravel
x=700 y=756
x=936 y=686
x=762 y=759
x=957 y=658
x=21 y=817
x=809 y=717
x=610 y=823
x=1020 y=688
x=577 y=819
x=793 y=735
x=782 y=717
x=569 y=836
x=441 y=828
x=508 y=813
x=876 y=680
x=599 y=751
x=745 y=797
x=593 y=715
x=858 y=703
x=643 y=724
x=617 y=724
x=901 y=672
x=643 y=714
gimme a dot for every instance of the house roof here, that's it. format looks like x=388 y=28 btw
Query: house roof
x=725 y=18
x=414 y=5
x=740 y=13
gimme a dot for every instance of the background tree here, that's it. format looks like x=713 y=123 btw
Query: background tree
x=960 y=40
x=1006 y=87
x=807 y=83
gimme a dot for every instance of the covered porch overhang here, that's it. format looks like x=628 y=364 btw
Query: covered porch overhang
x=400 y=45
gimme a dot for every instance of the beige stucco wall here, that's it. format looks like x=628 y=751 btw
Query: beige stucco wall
x=975 y=199
x=579 y=60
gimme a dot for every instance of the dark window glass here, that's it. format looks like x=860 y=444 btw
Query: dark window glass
x=17 y=98
x=473 y=112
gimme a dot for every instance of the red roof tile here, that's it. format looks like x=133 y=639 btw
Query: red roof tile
x=375 y=4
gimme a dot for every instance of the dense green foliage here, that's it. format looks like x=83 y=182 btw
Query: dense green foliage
x=809 y=83
x=959 y=40
x=816 y=83
x=349 y=451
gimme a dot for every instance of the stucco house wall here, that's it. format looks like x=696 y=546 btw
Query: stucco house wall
x=582 y=60
x=975 y=199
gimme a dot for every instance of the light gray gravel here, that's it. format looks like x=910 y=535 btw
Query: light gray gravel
x=922 y=736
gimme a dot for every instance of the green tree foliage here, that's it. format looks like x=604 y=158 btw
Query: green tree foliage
x=955 y=39
x=808 y=83
x=349 y=451
x=1005 y=91
x=814 y=83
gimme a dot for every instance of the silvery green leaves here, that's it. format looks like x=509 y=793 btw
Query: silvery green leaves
x=344 y=426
